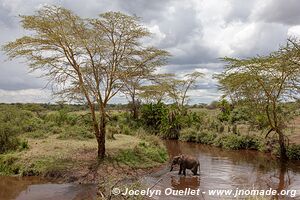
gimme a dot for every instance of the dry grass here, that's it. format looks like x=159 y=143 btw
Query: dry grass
x=68 y=157
x=52 y=146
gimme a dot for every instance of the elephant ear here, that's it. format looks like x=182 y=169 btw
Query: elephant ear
x=181 y=158
x=175 y=159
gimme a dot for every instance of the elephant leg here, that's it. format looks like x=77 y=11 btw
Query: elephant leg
x=194 y=170
x=180 y=169
x=184 y=171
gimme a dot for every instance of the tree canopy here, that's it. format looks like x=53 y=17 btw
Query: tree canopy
x=86 y=59
x=263 y=82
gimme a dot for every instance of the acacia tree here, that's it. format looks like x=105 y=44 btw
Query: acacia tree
x=154 y=93
x=154 y=58
x=89 y=59
x=264 y=83
x=157 y=91
x=178 y=88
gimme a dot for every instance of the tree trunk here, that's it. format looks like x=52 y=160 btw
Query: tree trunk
x=135 y=113
x=134 y=108
x=101 y=136
x=283 y=155
x=282 y=172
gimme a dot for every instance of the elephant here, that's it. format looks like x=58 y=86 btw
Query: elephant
x=186 y=162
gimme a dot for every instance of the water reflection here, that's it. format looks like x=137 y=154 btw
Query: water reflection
x=181 y=182
x=222 y=169
x=35 y=188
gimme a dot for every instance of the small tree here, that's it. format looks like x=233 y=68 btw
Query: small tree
x=225 y=109
x=177 y=89
x=152 y=93
x=264 y=83
x=85 y=59
x=157 y=91
x=153 y=58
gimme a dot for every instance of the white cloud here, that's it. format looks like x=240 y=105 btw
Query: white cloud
x=294 y=31
x=25 y=96
x=196 y=32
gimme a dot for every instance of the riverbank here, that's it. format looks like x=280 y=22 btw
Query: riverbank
x=75 y=160
x=240 y=141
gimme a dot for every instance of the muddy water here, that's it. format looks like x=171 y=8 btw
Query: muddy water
x=34 y=188
x=221 y=169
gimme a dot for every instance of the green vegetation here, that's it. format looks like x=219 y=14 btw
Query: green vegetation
x=142 y=155
x=51 y=141
x=43 y=139
x=264 y=84
x=67 y=48
x=54 y=157
x=223 y=140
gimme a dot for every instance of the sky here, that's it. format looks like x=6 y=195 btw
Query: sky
x=196 y=33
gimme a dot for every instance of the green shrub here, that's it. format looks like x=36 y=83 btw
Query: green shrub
x=143 y=155
x=221 y=128
x=293 y=152
x=171 y=123
x=206 y=137
x=71 y=119
x=8 y=164
x=233 y=141
x=111 y=131
x=8 y=137
x=153 y=152
x=31 y=124
x=225 y=108
x=126 y=130
x=24 y=145
x=152 y=115
x=61 y=117
x=239 y=114
x=188 y=135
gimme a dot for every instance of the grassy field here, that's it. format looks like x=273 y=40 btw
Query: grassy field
x=74 y=159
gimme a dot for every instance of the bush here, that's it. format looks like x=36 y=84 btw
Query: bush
x=32 y=124
x=188 y=135
x=8 y=164
x=171 y=124
x=206 y=137
x=126 y=130
x=239 y=114
x=142 y=155
x=24 y=145
x=293 y=152
x=233 y=141
x=8 y=138
x=225 y=108
x=152 y=115
x=111 y=130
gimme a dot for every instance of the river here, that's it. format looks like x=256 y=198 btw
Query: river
x=224 y=169
x=35 y=188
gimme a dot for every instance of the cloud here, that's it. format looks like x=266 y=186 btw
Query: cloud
x=278 y=11
x=196 y=32
x=26 y=96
